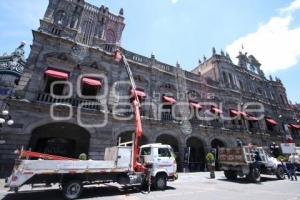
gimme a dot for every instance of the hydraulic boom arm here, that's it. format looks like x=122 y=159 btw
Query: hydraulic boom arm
x=136 y=106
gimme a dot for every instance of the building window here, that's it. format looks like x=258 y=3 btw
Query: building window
x=231 y=80
x=88 y=28
x=166 y=113
x=270 y=127
x=57 y=89
x=241 y=85
x=90 y=87
x=282 y=99
x=225 y=78
x=89 y=90
x=110 y=36
x=52 y=76
x=60 y=18
x=141 y=97
x=259 y=91
x=251 y=125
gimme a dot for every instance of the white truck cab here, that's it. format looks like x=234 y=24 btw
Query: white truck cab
x=161 y=157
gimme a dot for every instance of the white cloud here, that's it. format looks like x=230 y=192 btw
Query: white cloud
x=295 y=5
x=174 y=1
x=275 y=44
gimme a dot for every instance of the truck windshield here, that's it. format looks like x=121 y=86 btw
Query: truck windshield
x=146 y=151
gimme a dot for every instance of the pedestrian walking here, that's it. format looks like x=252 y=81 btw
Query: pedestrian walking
x=291 y=167
x=283 y=163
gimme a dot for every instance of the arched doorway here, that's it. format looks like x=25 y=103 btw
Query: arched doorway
x=216 y=144
x=196 y=160
x=170 y=140
x=127 y=137
x=63 y=139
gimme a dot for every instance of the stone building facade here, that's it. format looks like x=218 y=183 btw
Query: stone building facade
x=75 y=45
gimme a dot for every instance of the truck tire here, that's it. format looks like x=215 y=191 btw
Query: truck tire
x=230 y=175
x=160 y=182
x=72 y=189
x=16 y=190
x=280 y=173
x=254 y=175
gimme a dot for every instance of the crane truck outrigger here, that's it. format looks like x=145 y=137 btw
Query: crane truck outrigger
x=154 y=164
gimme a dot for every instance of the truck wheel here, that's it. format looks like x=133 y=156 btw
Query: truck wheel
x=254 y=175
x=230 y=175
x=72 y=189
x=16 y=190
x=160 y=182
x=280 y=173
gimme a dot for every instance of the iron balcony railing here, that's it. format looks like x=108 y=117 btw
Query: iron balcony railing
x=91 y=104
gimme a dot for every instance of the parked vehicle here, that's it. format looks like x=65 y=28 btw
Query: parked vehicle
x=250 y=162
x=152 y=164
x=72 y=175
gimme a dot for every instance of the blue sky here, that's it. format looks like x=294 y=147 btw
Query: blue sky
x=185 y=30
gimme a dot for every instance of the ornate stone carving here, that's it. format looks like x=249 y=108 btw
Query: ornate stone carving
x=186 y=127
x=15 y=62
x=79 y=52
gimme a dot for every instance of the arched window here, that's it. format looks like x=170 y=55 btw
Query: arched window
x=87 y=28
x=110 y=36
x=231 y=80
x=282 y=99
x=241 y=85
x=225 y=78
x=74 y=21
x=99 y=30
x=259 y=90
x=60 y=18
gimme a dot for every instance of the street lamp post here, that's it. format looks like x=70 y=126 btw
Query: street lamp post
x=5 y=117
x=282 y=125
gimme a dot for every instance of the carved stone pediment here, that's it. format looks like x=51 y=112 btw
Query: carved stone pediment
x=59 y=59
x=168 y=89
x=94 y=67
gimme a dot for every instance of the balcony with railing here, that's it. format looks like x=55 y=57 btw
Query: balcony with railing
x=136 y=57
x=192 y=76
x=255 y=130
x=166 y=116
x=235 y=127
x=216 y=124
x=143 y=113
x=75 y=102
x=197 y=122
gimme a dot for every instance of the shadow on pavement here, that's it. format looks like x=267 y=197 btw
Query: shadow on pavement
x=89 y=192
x=245 y=181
